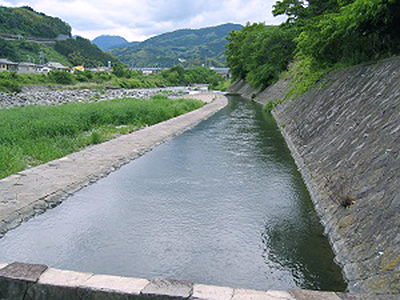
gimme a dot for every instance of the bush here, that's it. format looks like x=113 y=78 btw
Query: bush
x=61 y=77
x=9 y=86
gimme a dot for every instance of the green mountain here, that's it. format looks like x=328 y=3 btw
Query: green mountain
x=188 y=47
x=25 y=21
x=24 y=33
x=108 y=42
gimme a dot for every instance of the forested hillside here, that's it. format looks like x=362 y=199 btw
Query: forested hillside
x=188 y=47
x=22 y=29
x=318 y=36
x=81 y=51
x=25 y=21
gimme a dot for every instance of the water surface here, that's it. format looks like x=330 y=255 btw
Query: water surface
x=221 y=204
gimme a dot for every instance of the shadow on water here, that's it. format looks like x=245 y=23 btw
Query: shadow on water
x=221 y=204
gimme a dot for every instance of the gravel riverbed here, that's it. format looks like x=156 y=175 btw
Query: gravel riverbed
x=43 y=96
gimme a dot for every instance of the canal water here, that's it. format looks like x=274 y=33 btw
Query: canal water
x=221 y=204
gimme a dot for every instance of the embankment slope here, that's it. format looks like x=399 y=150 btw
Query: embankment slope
x=345 y=137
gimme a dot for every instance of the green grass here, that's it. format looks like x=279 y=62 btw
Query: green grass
x=34 y=135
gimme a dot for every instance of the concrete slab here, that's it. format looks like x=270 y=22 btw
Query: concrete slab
x=63 y=278
x=314 y=295
x=243 y=294
x=169 y=287
x=23 y=272
x=344 y=296
x=132 y=286
x=211 y=292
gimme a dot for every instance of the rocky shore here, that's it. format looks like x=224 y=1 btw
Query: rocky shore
x=47 y=96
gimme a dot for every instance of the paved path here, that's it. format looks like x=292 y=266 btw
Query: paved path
x=32 y=191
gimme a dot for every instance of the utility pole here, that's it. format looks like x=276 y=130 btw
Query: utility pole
x=41 y=57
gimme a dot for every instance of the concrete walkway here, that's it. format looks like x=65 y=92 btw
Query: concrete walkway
x=33 y=191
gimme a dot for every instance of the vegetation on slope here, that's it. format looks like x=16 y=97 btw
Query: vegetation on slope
x=33 y=135
x=187 y=47
x=23 y=51
x=318 y=36
x=81 y=51
x=24 y=21
x=27 y=22
x=70 y=52
x=259 y=53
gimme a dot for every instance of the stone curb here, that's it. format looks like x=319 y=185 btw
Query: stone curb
x=33 y=191
x=37 y=282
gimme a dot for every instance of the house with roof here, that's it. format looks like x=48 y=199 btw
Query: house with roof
x=7 y=65
x=28 y=67
x=55 y=65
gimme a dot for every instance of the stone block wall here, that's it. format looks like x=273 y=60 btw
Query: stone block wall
x=344 y=135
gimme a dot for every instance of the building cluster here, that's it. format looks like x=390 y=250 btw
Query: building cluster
x=28 y=67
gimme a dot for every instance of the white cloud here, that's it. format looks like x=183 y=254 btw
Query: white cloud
x=139 y=19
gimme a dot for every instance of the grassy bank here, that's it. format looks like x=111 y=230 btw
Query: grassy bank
x=33 y=135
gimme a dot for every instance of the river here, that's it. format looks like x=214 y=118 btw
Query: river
x=221 y=204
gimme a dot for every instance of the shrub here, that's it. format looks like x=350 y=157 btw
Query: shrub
x=61 y=77
x=9 y=86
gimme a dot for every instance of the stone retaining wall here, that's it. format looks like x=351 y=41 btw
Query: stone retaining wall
x=344 y=135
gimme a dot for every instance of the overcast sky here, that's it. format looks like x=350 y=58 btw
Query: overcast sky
x=137 y=20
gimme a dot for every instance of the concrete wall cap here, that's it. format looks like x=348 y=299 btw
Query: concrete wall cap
x=244 y=294
x=116 y=284
x=211 y=292
x=63 y=278
x=169 y=287
x=313 y=295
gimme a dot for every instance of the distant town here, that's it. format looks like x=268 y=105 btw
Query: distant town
x=29 y=67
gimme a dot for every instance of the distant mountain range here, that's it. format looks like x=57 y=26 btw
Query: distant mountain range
x=108 y=42
x=188 y=47
x=25 y=34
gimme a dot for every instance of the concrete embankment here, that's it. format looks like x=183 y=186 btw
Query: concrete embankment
x=344 y=135
x=19 y=281
x=33 y=191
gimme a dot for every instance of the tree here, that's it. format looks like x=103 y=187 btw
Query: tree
x=363 y=30
x=259 y=53
x=8 y=50
x=299 y=9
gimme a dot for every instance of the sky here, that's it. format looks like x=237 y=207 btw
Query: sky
x=137 y=20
